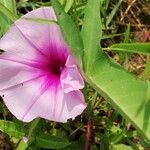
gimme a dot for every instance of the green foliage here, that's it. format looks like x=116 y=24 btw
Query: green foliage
x=147 y=69
x=143 y=48
x=12 y=129
x=51 y=142
x=66 y=4
x=9 y=4
x=124 y=91
x=8 y=14
x=120 y=147
x=113 y=12
x=91 y=34
x=22 y=145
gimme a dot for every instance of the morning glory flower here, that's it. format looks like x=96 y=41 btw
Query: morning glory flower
x=38 y=75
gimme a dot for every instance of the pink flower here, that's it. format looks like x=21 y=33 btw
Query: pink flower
x=38 y=76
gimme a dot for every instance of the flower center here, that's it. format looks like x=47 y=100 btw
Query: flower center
x=56 y=69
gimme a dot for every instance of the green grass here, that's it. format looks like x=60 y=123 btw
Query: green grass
x=108 y=129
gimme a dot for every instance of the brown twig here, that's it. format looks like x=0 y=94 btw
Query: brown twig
x=137 y=20
x=89 y=122
x=128 y=8
x=88 y=134
x=134 y=25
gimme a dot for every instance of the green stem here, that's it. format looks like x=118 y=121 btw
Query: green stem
x=147 y=69
x=91 y=104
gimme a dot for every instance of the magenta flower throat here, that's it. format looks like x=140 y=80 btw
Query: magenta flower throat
x=38 y=76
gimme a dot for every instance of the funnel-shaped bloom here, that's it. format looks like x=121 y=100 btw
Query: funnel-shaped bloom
x=38 y=76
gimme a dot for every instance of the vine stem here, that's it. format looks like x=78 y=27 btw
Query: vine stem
x=89 y=122
x=88 y=134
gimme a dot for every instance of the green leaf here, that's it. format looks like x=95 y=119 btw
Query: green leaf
x=12 y=129
x=120 y=147
x=8 y=14
x=116 y=135
x=35 y=128
x=72 y=146
x=147 y=69
x=70 y=31
x=10 y=4
x=143 y=48
x=51 y=142
x=8 y=11
x=91 y=33
x=125 y=92
x=22 y=145
x=67 y=4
